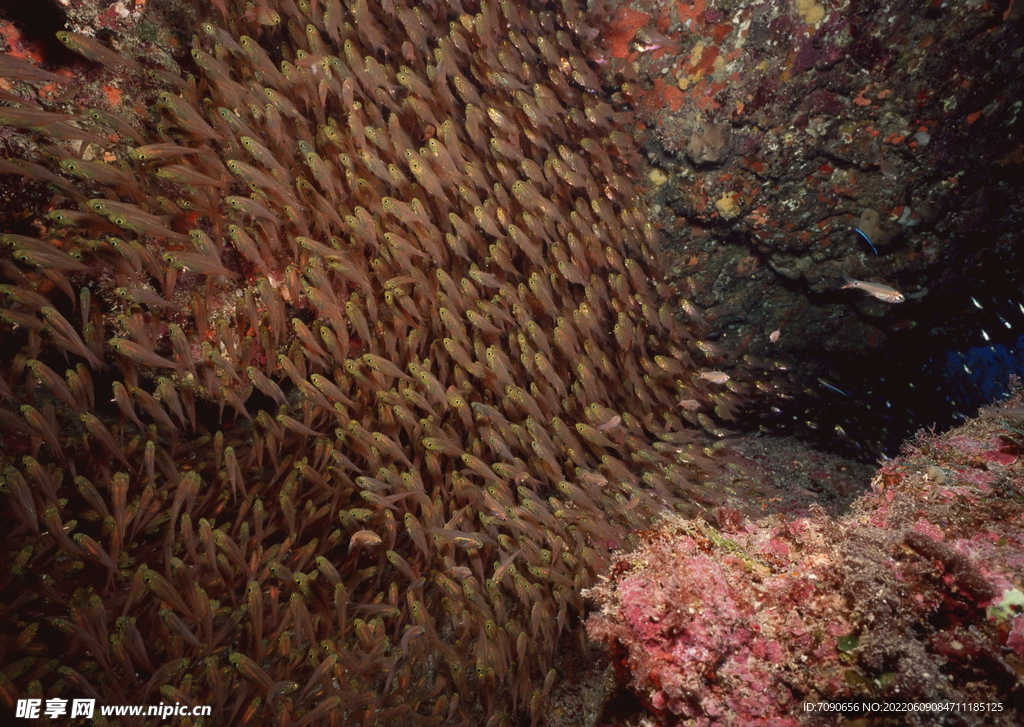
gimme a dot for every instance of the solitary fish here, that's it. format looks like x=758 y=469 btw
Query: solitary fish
x=877 y=290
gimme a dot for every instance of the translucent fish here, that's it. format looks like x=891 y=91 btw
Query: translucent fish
x=115 y=122
x=876 y=290
x=99 y=172
x=249 y=206
x=15 y=69
x=30 y=118
x=141 y=354
x=184 y=174
x=364 y=539
x=94 y=50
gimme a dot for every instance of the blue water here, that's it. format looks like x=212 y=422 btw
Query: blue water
x=986 y=376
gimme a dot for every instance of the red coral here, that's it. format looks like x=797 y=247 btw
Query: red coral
x=707 y=641
x=623 y=28
x=739 y=626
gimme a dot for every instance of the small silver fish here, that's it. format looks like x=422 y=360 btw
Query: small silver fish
x=829 y=385
x=715 y=377
x=877 y=290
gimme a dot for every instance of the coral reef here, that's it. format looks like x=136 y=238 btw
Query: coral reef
x=330 y=384
x=915 y=596
x=776 y=129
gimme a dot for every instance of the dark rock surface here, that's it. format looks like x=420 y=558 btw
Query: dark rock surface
x=775 y=129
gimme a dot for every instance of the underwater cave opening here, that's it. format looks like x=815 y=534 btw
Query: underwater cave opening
x=963 y=353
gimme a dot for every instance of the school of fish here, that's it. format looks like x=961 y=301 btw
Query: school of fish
x=336 y=385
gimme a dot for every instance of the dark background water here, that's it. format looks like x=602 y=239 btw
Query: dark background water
x=962 y=355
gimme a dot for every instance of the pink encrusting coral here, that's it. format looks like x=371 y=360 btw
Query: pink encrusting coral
x=720 y=624
x=915 y=595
